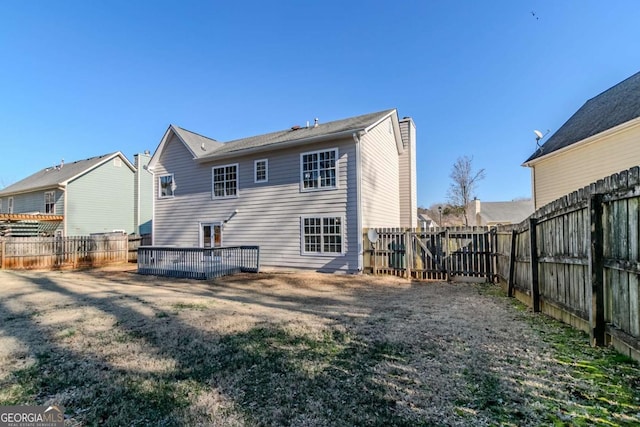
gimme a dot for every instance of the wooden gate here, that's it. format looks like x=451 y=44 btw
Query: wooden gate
x=438 y=254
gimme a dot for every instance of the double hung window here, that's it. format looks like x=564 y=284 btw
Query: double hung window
x=261 y=170
x=225 y=181
x=319 y=170
x=50 y=202
x=322 y=235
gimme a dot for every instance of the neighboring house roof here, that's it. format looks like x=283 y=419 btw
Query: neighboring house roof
x=611 y=108
x=427 y=220
x=295 y=135
x=506 y=212
x=60 y=175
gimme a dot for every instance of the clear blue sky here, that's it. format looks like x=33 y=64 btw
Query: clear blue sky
x=84 y=78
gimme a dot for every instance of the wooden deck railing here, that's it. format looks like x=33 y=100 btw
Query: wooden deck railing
x=198 y=263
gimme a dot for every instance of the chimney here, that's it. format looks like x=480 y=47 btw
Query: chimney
x=61 y=163
x=315 y=122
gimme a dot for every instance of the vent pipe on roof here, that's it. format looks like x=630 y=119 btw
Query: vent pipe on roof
x=315 y=122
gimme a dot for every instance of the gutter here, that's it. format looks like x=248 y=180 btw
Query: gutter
x=277 y=146
x=357 y=137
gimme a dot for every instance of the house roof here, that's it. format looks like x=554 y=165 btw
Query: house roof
x=59 y=175
x=302 y=134
x=204 y=149
x=611 y=108
x=506 y=212
x=198 y=145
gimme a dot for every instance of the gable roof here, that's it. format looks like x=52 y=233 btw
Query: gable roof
x=217 y=150
x=323 y=131
x=613 y=107
x=60 y=175
x=198 y=145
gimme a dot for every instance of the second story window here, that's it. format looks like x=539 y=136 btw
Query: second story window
x=50 y=202
x=225 y=181
x=319 y=169
x=166 y=186
x=261 y=169
x=10 y=205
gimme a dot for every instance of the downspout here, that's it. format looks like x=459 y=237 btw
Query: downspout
x=356 y=138
x=64 y=221
x=153 y=205
x=533 y=187
x=137 y=178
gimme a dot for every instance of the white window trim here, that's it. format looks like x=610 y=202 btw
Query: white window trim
x=322 y=254
x=255 y=171
x=213 y=192
x=173 y=186
x=53 y=198
x=335 y=187
x=10 y=205
x=0 y=205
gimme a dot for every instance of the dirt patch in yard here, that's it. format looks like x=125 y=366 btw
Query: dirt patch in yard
x=297 y=349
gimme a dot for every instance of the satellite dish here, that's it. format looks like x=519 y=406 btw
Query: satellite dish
x=372 y=235
x=539 y=134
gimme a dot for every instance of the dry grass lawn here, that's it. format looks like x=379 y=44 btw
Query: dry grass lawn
x=116 y=348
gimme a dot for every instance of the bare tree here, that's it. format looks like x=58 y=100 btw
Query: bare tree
x=464 y=183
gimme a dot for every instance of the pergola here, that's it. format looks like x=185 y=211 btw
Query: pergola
x=23 y=224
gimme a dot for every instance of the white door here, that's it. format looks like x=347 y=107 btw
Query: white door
x=211 y=235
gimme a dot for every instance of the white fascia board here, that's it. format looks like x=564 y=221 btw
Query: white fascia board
x=105 y=160
x=163 y=142
x=396 y=128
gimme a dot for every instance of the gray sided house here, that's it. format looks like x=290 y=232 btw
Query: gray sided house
x=97 y=195
x=303 y=194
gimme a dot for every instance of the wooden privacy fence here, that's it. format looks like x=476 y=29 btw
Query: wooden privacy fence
x=438 y=254
x=578 y=260
x=198 y=263
x=62 y=252
x=135 y=241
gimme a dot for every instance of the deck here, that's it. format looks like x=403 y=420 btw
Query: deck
x=198 y=263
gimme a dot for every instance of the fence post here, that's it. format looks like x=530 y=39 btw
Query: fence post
x=596 y=270
x=535 y=289
x=512 y=263
x=447 y=256
x=408 y=252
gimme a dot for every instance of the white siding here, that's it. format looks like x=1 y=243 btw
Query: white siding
x=573 y=169
x=380 y=178
x=408 y=182
x=268 y=213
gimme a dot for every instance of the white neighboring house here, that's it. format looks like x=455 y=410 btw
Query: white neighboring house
x=303 y=194
x=498 y=213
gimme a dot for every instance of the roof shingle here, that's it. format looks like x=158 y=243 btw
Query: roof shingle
x=616 y=105
x=54 y=175
x=290 y=135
